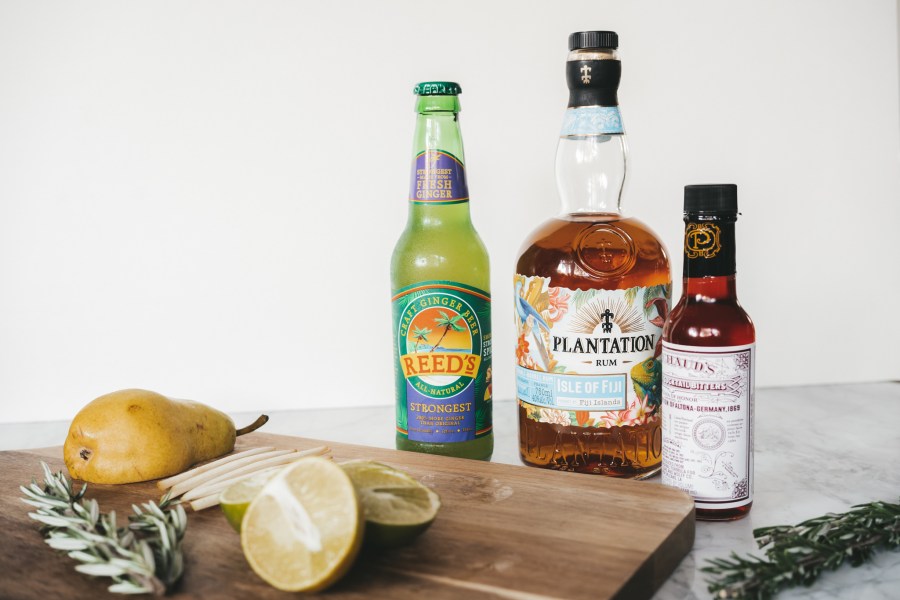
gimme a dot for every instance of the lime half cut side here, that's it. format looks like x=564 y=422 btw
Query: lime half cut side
x=236 y=498
x=304 y=529
x=397 y=508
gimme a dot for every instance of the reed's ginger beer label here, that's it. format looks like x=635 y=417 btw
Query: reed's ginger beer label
x=442 y=358
x=438 y=177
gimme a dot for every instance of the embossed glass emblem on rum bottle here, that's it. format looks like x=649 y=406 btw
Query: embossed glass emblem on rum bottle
x=592 y=292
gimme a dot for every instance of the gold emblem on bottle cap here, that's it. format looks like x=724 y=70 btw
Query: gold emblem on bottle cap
x=701 y=240
x=585 y=74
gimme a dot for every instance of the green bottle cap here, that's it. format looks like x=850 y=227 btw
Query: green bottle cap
x=437 y=88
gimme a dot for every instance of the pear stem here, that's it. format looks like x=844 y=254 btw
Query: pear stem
x=253 y=426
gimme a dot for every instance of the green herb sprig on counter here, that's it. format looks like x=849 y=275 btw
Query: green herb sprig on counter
x=798 y=554
x=143 y=557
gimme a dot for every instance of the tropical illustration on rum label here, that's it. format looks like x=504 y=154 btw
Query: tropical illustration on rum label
x=589 y=358
x=444 y=354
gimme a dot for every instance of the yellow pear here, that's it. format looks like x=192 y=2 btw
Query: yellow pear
x=136 y=435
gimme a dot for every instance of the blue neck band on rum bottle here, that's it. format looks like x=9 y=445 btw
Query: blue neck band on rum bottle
x=592 y=120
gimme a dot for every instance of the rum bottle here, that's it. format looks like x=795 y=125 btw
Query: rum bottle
x=592 y=290
x=440 y=282
x=708 y=366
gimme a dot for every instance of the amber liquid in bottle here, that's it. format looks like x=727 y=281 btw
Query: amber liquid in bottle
x=708 y=315
x=576 y=250
x=586 y=281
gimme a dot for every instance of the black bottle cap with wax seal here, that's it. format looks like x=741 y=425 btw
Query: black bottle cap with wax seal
x=593 y=81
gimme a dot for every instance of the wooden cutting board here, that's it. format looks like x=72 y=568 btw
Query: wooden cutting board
x=503 y=531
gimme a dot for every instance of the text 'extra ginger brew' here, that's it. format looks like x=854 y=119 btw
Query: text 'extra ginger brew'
x=440 y=283
x=592 y=292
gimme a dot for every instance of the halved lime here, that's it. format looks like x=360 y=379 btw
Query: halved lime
x=304 y=528
x=397 y=508
x=237 y=497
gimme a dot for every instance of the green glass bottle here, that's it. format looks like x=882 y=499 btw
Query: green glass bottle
x=440 y=286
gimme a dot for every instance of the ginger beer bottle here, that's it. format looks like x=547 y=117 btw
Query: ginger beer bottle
x=440 y=283
x=708 y=366
x=592 y=291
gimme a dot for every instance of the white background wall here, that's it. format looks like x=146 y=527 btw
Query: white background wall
x=201 y=197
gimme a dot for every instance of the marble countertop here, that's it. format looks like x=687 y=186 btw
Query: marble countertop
x=819 y=449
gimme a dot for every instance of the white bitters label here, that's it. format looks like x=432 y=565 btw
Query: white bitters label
x=707 y=429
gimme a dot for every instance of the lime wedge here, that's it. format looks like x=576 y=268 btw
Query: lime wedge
x=237 y=497
x=397 y=508
x=304 y=528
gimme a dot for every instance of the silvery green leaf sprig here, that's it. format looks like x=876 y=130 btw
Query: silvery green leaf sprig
x=798 y=554
x=142 y=557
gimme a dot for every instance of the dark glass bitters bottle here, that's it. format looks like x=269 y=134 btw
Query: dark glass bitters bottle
x=708 y=366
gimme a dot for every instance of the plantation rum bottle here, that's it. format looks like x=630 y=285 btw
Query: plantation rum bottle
x=592 y=291
x=708 y=364
x=440 y=282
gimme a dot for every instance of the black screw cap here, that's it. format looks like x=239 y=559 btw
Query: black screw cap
x=581 y=40
x=711 y=199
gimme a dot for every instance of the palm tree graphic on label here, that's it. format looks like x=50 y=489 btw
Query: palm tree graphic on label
x=448 y=323
x=420 y=335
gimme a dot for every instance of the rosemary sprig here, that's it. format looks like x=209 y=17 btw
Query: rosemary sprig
x=798 y=554
x=142 y=557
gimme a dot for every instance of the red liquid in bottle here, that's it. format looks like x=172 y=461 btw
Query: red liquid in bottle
x=708 y=355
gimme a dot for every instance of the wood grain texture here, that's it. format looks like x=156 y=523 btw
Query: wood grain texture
x=503 y=532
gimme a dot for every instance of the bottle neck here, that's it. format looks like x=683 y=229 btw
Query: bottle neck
x=709 y=258
x=590 y=172
x=710 y=289
x=591 y=155
x=438 y=188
